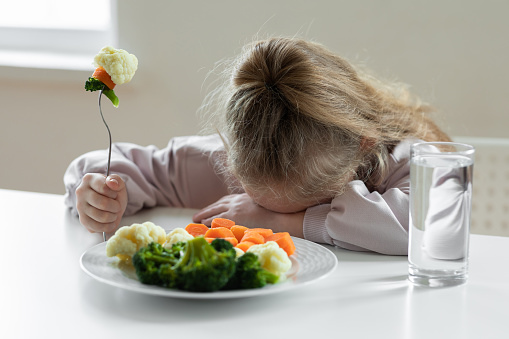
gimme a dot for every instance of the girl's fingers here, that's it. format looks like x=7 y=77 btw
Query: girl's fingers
x=101 y=207
x=209 y=212
x=96 y=227
x=103 y=217
x=97 y=182
x=103 y=203
x=115 y=183
x=208 y=220
x=220 y=209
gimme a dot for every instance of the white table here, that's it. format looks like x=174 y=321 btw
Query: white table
x=45 y=294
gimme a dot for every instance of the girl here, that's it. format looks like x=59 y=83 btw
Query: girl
x=308 y=144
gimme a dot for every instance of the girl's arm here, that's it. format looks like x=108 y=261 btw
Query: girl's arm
x=180 y=175
x=367 y=221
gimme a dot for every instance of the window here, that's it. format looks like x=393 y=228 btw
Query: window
x=58 y=34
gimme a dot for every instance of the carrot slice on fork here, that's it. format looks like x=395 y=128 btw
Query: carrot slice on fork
x=103 y=76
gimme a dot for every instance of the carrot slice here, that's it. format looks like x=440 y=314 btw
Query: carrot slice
x=232 y=241
x=253 y=237
x=238 y=231
x=219 y=232
x=222 y=222
x=196 y=229
x=244 y=245
x=284 y=240
x=264 y=232
x=101 y=74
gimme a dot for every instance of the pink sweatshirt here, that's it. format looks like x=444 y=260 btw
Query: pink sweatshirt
x=183 y=175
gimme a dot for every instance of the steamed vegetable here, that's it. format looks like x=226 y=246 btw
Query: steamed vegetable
x=196 y=229
x=284 y=240
x=118 y=63
x=103 y=76
x=93 y=84
x=245 y=245
x=250 y=274
x=205 y=267
x=238 y=231
x=194 y=265
x=253 y=237
x=113 y=67
x=222 y=222
x=153 y=265
x=219 y=232
x=177 y=235
x=129 y=239
x=203 y=259
x=272 y=257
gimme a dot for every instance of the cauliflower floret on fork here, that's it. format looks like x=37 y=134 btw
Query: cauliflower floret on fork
x=119 y=64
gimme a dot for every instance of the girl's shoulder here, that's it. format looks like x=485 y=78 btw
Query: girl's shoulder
x=197 y=143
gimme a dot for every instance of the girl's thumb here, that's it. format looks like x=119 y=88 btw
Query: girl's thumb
x=115 y=182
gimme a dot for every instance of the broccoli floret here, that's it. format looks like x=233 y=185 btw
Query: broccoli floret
x=153 y=265
x=202 y=268
x=222 y=245
x=178 y=247
x=194 y=265
x=250 y=274
x=92 y=85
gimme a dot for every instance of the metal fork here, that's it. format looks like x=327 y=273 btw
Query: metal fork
x=109 y=135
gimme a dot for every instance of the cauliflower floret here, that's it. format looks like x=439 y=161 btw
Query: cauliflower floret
x=178 y=234
x=119 y=64
x=271 y=257
x=127 y=240
x=238 y=251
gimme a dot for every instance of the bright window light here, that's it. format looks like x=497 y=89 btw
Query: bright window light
x=55 y=33
x=69 y=14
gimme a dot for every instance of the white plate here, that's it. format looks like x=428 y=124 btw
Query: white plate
x=310 y=262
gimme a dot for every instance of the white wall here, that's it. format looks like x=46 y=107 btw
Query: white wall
x=453 y=53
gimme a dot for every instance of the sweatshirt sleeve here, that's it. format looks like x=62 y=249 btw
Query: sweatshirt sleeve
x=184 y=174
x=364 y=220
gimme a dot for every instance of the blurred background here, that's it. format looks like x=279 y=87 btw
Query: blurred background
x=452 y=53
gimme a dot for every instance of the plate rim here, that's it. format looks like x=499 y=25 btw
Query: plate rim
x=174 y=293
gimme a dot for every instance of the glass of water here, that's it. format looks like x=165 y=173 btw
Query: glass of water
x=440 y=208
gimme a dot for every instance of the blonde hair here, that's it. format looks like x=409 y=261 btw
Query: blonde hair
x=301 y=122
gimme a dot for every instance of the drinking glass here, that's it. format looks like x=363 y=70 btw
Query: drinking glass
x=440 y=208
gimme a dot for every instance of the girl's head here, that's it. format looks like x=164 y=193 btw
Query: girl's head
x=301 y=122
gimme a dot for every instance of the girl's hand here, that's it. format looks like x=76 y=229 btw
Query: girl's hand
x=101 y=202
x=244 y=211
